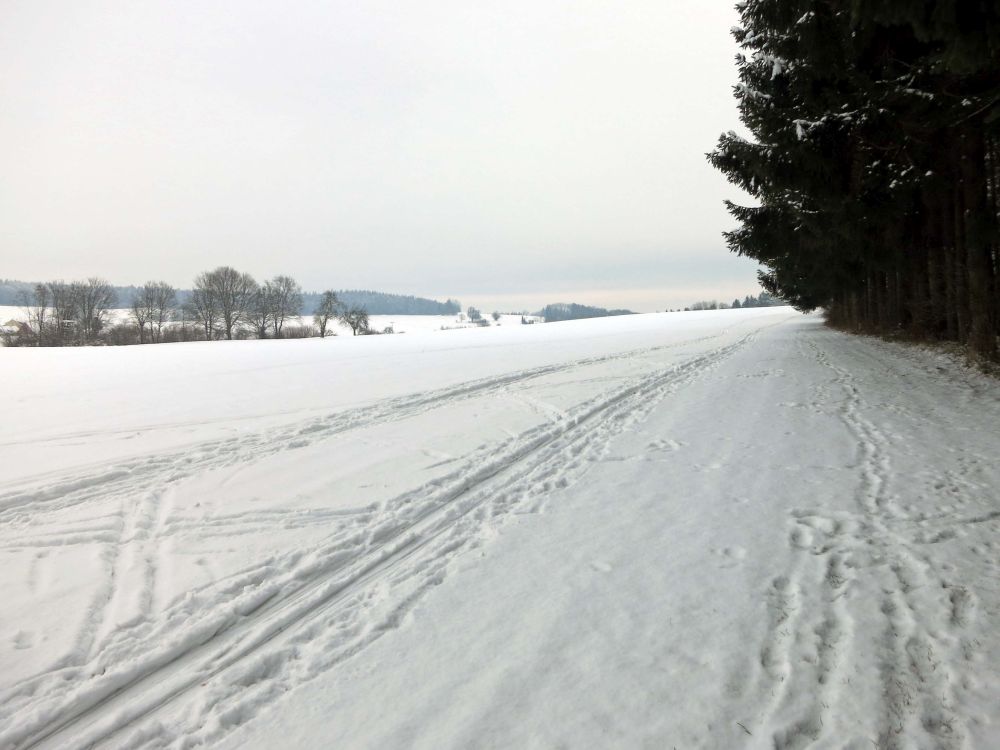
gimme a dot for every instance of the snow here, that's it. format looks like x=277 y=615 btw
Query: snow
x=716 y=529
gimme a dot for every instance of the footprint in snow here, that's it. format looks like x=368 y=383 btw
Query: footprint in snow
x=801 y=538
x=731 y=555
x=23 y=640
x=666 y=445
x=600 y=567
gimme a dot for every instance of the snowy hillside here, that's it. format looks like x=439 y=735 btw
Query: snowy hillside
x=697 y=530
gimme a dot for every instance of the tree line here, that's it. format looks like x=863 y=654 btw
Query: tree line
x=12 y=292
x=383 y=303
x=762 y=300
x=223 y=304
x=874 y=162
x=573 y=311
x=65 y=314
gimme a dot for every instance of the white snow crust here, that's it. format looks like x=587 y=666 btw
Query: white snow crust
x=716 y=529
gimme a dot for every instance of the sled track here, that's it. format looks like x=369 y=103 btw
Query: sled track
x=426 y=527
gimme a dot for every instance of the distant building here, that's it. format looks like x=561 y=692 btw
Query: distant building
x=15 y=326
x=15 y=329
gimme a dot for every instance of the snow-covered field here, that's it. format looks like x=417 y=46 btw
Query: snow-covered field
x=695 y=530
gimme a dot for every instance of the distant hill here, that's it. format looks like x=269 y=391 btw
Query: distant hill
x=376 y=303
x=382 y=303
x=573 y=311
x=12 y=293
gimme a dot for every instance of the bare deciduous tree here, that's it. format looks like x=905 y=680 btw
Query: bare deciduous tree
x=204 y=305
x=93 y=299
x=163 y=299
x=36 y=308
x=152 y=305
x=327 y=310
x=286 y=301
x=141 y=313
x=63 y=317
x=262 y=309
x=355 y=318
x=233 y=292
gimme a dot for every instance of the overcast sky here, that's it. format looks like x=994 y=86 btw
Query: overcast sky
x=506 y=153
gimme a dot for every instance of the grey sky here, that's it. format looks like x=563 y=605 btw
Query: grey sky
x=508 y=153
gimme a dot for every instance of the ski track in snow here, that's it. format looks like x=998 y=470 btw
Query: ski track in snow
x=179 y=673
x=243 y=643
x=137 y=485
x=150 y=471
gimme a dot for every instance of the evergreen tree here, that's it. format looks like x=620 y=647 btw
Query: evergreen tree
x=873 y=162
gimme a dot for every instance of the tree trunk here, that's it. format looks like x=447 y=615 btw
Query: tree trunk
x=979 y=269
x=918 y=302
x=935 y=271
x=959 y=274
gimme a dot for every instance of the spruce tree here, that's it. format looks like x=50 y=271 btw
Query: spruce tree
x=872 y=162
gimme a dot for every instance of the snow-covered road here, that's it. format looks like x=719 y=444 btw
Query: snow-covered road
x=720 y=529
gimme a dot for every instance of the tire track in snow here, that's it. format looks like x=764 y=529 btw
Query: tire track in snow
x=434 y=522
